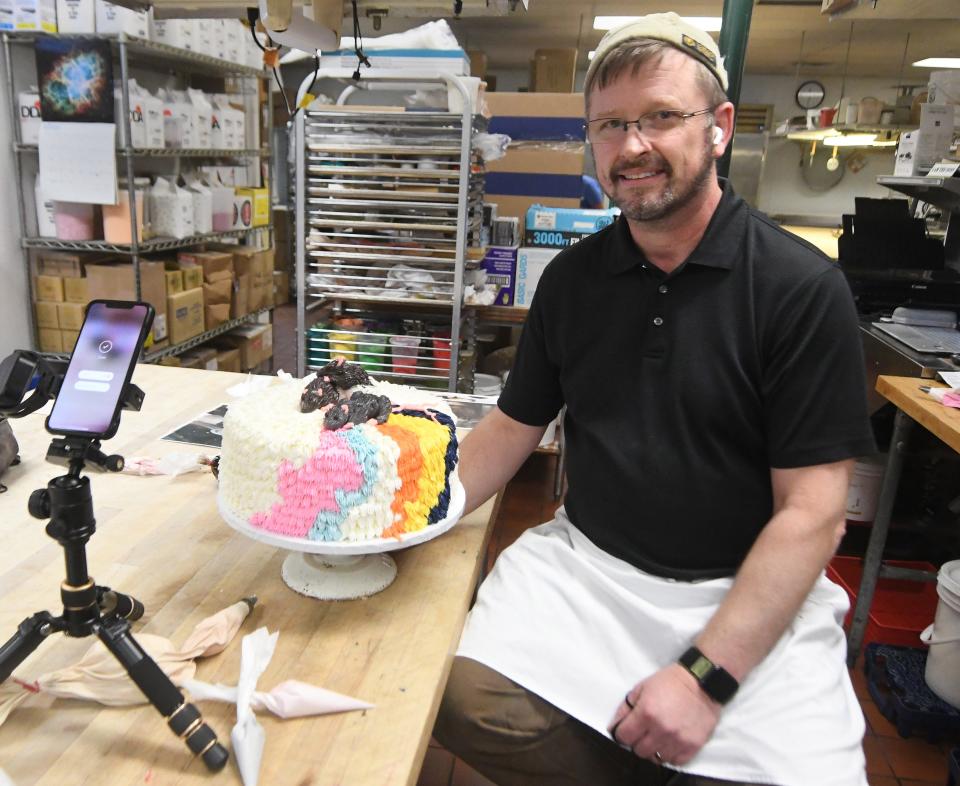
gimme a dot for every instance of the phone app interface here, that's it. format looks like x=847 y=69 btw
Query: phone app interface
x=106 y=347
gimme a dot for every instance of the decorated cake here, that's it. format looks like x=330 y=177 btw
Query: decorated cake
x=339 y=457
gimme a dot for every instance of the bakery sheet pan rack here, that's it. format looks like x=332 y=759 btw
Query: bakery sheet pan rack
x=389 y=201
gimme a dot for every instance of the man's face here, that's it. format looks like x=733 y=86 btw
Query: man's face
x=651 y=176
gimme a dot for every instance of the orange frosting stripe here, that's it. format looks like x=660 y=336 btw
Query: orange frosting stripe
x=409 y=468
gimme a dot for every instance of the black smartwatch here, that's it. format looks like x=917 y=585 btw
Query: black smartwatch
x=714 y=680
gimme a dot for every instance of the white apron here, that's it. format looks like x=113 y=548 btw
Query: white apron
x=580 y=628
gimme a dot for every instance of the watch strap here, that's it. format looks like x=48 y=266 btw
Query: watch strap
x=714 y=680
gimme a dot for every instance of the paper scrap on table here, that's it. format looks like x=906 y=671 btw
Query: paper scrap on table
x=952 y=378
x=98 y=676
x=67 y=176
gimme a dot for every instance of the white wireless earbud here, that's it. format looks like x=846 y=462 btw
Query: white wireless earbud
x=717 y=135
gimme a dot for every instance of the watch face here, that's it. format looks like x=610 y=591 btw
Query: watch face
x=810 y=94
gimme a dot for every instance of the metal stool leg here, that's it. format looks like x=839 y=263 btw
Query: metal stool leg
x=902 y=426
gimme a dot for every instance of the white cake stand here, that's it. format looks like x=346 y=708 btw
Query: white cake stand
x=344 y=570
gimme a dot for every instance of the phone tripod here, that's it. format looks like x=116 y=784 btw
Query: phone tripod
x=91 y=609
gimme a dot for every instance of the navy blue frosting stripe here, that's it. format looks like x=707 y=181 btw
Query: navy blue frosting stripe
x=439 y=511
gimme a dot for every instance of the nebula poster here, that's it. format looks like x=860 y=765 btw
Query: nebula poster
x=76 y=79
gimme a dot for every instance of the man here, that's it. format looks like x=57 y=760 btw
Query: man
x=672 y=624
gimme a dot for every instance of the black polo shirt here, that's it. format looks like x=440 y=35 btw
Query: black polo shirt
x=683 y=390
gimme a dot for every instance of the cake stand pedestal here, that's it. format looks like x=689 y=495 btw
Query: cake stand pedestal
x=333 y=577
x=344 y=570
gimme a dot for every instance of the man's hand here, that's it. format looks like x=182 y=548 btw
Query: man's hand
x=666 y=718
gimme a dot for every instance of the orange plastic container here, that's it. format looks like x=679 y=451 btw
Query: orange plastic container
x=901 y=608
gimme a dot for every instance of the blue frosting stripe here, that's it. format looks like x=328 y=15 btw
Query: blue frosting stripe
x=327 y=524
x=439 y=511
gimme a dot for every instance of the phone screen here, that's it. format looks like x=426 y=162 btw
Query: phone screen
x=99 y=369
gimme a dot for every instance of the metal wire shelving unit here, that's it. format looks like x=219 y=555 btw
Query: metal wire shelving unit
x=129 y=51
x=389 y=204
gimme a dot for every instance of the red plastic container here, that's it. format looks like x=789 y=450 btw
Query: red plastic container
x=901 y=608
x=441 y=350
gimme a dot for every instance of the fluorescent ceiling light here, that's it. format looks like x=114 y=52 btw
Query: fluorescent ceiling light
x=709 y=23
x=591 y=53
x=938 y=62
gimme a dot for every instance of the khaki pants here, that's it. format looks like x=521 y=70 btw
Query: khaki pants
x=515 y=738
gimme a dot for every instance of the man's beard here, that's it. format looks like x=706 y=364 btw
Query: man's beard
x=671 y=199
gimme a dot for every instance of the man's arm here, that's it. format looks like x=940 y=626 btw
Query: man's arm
x=492 y=453
x=671 y=715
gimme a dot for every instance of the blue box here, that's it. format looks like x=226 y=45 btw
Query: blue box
x=500 y=263
x=559 y=227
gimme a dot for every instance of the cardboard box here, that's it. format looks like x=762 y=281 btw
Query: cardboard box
x=217 y=296
x=192 y=277
x=76 y=16
x=537 y=116
x=260 y=198
x=174 y=279
x=49 y=288
x=55 y=263
x=40 y=15
x=500 y=262
x=254 y=342
x=46 y=314
x=281 y=287
x=112 y=19
x=240 y=302
x=115 y=281
x=553 y=70
x=49 y=340
x=75 y=290
x=478 y=62
x=70 y=315
x=228 y=360
x=549 y=174
x=185 y=315
x=530 y=265
x=242 y=212
x=68 y=339
x=216 y=265
x=200 y=357
x=554 y=227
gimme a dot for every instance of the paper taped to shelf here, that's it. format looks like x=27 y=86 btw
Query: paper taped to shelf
x=90 y=178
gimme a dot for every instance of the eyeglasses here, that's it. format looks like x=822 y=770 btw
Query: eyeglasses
x=607 y=130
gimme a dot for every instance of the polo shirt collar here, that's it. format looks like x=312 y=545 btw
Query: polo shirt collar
x=717 y=248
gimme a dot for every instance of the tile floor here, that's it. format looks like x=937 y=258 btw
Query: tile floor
x=891 y=760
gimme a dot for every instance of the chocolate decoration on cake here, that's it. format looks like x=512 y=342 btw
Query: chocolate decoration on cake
x=317 y=394
x=343 y=375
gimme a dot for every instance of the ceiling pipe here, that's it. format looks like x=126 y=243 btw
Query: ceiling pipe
x=734 y=30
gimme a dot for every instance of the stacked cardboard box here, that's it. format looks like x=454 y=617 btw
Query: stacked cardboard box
x=217 y=287
x=61 y=297
x=254 y=343
x=116 y=281
x=544 y=162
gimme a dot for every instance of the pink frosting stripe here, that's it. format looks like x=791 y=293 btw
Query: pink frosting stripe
x=310 y=489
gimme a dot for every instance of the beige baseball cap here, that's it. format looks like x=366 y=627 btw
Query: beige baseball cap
x=664 y=27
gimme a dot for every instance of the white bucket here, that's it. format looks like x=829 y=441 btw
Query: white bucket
x=943 y=661
x=863 y=492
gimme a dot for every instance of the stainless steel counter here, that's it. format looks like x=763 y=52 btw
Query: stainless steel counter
x=885 y=355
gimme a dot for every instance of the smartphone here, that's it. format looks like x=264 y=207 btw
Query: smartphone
x=110 y=340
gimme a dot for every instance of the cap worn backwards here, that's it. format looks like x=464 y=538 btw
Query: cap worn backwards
x=669 y=28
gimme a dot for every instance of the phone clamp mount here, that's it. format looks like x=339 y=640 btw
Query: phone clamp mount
x=88 y=608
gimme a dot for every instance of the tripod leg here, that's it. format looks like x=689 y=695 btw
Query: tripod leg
x=30 y=635
x=183 y=718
